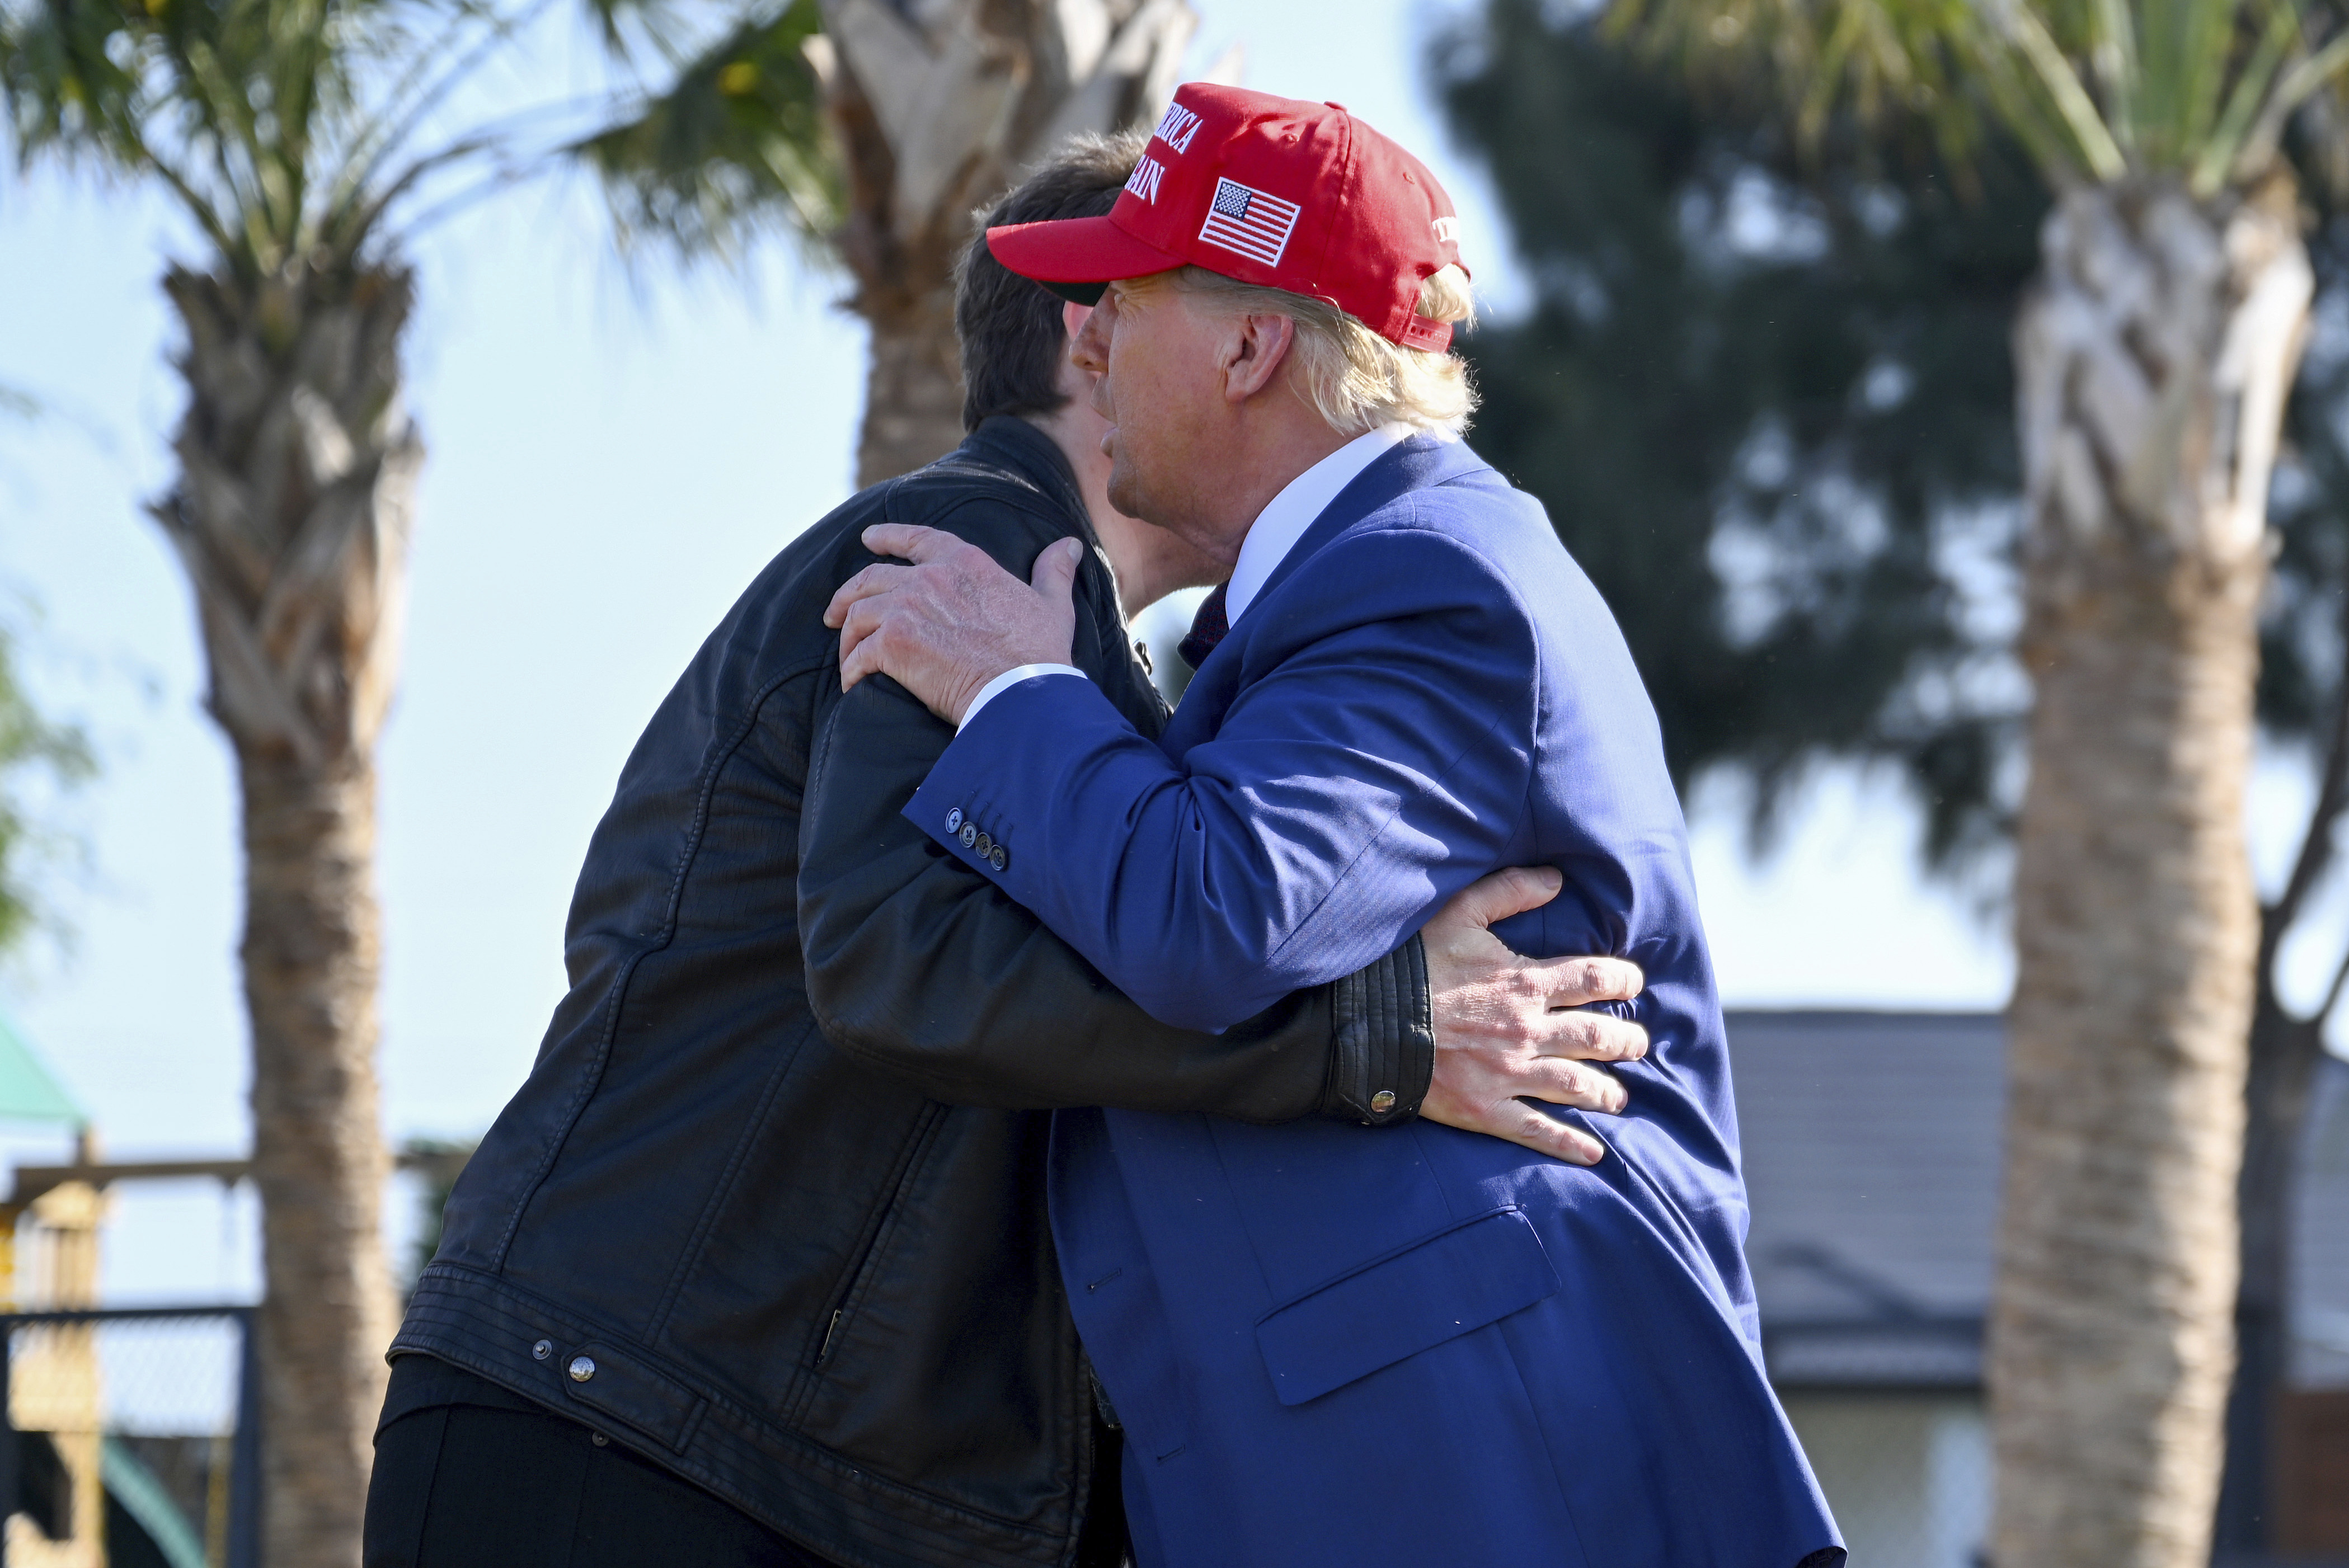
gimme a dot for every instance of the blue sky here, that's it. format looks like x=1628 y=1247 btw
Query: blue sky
x=610 y=460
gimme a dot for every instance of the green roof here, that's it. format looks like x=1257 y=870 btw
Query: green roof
x=28 y=1092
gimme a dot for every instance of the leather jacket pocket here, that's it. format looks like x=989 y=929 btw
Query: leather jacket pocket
x=855 y=1277
x=1450 y=1283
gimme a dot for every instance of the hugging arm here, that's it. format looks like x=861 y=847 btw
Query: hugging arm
x=1378 y=765
x=919 y=965
x=916 y=965
x=922 y=967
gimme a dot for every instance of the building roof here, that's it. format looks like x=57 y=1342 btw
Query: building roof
x=1871 y=1144
x=28 y=1092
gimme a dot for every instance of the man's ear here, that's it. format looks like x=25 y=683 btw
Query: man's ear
x=1254 y=350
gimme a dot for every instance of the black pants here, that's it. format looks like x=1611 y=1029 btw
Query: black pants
x=472 y=1486
x=468 y=1475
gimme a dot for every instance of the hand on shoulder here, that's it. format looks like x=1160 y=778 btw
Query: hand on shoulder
x=953 y=620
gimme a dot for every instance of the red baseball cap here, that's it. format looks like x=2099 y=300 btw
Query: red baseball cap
x=1271 y=191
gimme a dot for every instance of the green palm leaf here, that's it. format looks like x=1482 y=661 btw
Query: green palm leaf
x=2097 y=89
x=733 y=142
x=277 y=124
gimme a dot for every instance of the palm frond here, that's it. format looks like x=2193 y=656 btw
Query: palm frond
x=276 y=124
x=2093 y=141
x=2245 y=105
x=735 y=142
x=2293 y=88
x=2096 y=89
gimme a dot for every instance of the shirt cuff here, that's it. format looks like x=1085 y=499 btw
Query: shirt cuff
x=1009 y=679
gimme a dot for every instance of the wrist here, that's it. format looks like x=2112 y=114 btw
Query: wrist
x=995 y=685
x=959 y=702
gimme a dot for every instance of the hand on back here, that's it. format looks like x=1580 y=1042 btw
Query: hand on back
x=1506 y=1031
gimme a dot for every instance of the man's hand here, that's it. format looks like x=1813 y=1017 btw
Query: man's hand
x=953 y=621
x=1502 y=1031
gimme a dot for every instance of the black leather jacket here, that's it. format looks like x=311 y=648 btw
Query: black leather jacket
x=777 y=1176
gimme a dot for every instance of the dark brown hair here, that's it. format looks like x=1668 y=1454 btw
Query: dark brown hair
x=1010 y=328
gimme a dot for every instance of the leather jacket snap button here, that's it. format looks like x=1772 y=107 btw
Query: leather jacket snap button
x=541 y=1350
x=1383 y=1100
x=582 y=1369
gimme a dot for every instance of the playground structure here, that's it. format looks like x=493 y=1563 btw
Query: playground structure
x=81 y=1487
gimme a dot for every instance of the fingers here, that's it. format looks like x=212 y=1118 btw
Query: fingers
x=1587 y=1037
x=863 y=647
x=1578 y=982
x=909 y=542
x=1516 y=1122
x=1575 y=1084
x=1055 y=576
x=873 y=580
x=1499 y=896
x=858 y=621
x=859 y=650
x=1534 y=1130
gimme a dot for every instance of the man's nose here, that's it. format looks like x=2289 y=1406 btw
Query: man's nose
x=1091 y=350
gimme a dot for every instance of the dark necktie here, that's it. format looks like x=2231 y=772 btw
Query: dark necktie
x=1207 y=628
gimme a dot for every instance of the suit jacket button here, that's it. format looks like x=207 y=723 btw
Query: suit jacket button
x=1383 y=1100
x=969 y=834
x=1000 y=857
x=985 y=846
x=953 y=818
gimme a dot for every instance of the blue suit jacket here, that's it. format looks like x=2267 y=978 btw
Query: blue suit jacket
x=1423 y=1347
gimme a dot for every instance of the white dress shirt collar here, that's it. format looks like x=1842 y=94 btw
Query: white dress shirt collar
x=1285 y=519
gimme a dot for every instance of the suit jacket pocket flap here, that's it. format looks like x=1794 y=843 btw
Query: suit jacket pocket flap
x=1451 y=1284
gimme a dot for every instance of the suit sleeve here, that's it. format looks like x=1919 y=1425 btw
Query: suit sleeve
x=919 y=965
x=1379 y=763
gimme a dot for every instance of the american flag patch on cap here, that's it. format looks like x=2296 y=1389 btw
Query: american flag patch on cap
x=1246 y=220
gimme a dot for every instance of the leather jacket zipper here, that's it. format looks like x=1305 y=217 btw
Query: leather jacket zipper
x=885 y=1216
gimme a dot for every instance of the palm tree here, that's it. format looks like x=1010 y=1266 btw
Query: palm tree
x=933 y=108
x=288 y=134
x=2153 y=358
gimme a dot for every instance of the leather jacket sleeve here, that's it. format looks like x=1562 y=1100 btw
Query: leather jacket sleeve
x=919 y=967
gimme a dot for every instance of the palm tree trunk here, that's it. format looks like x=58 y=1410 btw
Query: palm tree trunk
x=904 y=267
x=312 y=957
x=936 y=114
x=2153 y=361
x=912 y=386
x=292 y=516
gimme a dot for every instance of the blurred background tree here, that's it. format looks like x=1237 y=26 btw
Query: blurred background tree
x=299 y=141
x=1765 y=388
x=38 y=757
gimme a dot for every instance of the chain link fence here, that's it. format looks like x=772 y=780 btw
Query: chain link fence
x=130 y=1438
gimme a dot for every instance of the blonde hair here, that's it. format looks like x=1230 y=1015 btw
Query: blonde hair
x=1356 y=379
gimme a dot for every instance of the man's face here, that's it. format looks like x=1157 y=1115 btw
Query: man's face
x=1154 y=350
